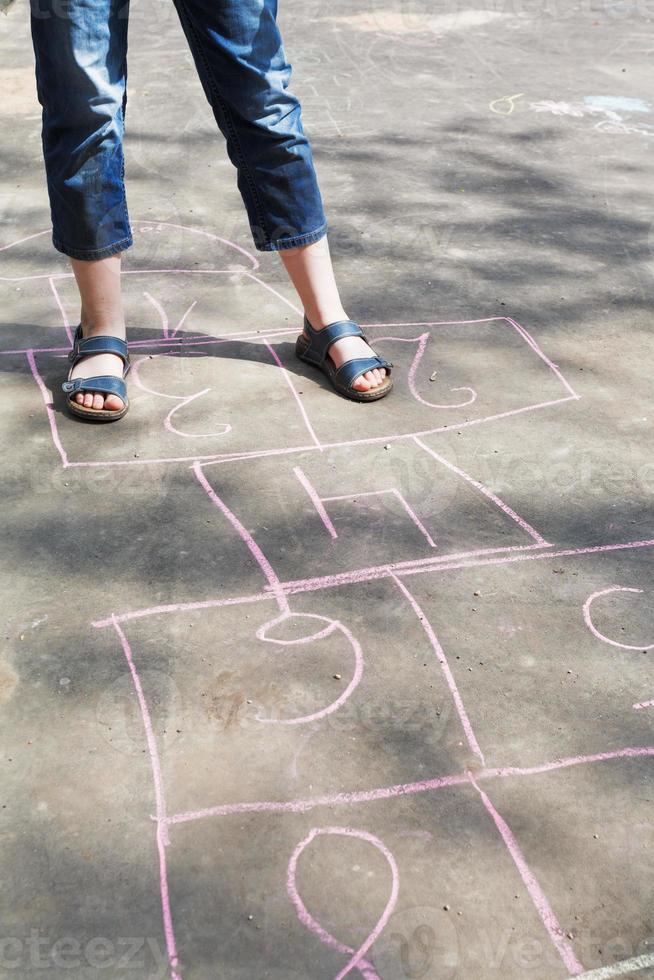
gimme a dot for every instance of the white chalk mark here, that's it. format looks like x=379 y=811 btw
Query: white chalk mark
x=632 y=965
x=505 y=105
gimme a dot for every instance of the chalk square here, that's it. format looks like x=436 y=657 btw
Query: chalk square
x=313 y=695
x=490 y=621
x=444 y=850
x=447 y=375
x=185 y=405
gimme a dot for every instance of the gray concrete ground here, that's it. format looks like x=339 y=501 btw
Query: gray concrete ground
x=295 y=688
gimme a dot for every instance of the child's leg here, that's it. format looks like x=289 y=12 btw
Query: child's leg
x=102 y=314
x=81 y=52
x=311 y=271
x=241 y=62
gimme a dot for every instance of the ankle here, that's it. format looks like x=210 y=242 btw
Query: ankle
x=319 y=318
x=94 y=327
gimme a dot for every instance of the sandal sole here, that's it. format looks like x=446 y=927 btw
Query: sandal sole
x=95 y=414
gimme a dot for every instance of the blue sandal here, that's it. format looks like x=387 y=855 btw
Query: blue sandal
x=102 y=384
x=315 y=351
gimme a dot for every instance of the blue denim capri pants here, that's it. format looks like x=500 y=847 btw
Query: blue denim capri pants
x=81 y=76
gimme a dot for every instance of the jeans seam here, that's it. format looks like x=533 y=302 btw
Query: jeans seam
x=227 y=115
x=122 y=165
x=296 y=240
x=90 y=253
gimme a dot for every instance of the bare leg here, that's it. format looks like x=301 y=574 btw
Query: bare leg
x=101 y=313
x=311 y=272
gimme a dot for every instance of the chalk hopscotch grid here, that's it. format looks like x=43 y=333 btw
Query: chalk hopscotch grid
x=315 y=444
x=396 y=572
x=172 y=344
x=275 y=588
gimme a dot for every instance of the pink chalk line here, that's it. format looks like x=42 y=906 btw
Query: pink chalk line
x=316 y=501
x=491 y=319
x=167 y=334
x=527 y=528
x=356 y=961
x=138 y=226
x=147 y=225
x=298 y=400
x=433 y=565
x=45 y=394
x=600 y=636
x=246 y=537
x=543 y=356
x=182 y=400
x=235 y=457
x=28 y=238
x=67 y=328
x=162 y=313
x=447 y=672
x=605 y=639
x=286 y=613
x=543 y=907
x=300 y=586
x=332 y=625
x=306 y=804
x=319 y=502
x=280 y=296
x=422 y=341
x=162 y=827
x=195 y=339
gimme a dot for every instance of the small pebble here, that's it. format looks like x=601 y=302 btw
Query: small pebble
x=337 y=677
x=596 y=836
x=387 y=446
x=446 y=908
x=250 y=918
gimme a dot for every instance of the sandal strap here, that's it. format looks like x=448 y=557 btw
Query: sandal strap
x=321 y=340
x=102 y=384
x=97 y=345
x=347 y=373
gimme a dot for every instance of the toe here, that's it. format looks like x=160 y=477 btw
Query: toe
x=98 y=402
x=113 y=403
x=361 y=383
x=79 y=398
x=88 y=400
